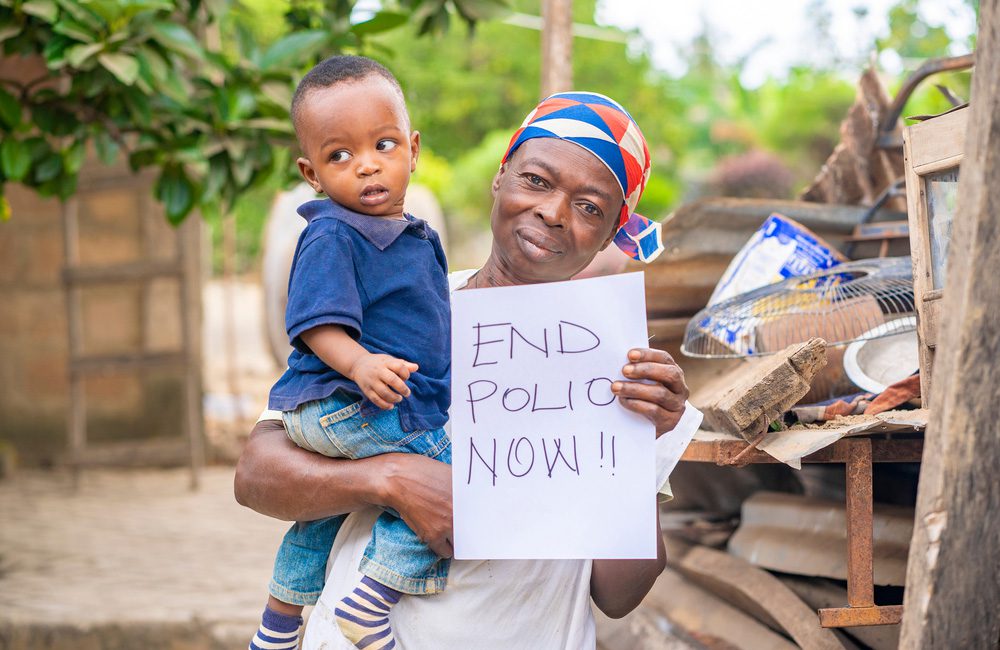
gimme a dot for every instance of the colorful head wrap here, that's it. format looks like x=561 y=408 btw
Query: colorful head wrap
x=601 y=126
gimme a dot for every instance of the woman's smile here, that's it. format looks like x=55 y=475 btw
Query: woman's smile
x=536 y=245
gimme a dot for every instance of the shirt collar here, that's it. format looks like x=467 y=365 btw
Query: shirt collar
x=380 y=232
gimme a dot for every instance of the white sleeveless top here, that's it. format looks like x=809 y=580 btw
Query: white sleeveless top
x=487 y=605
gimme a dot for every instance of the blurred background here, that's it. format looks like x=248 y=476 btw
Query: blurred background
x=147 y=195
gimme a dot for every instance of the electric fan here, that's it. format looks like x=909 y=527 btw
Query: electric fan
x=853 y=301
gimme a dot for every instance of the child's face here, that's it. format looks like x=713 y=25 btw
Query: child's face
x=360 y=153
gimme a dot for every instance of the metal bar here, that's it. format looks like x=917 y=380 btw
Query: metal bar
x=858 y=616
x=929 y=68
x=723 y=452
x=860 y=524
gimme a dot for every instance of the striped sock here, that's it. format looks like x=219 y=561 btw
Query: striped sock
x=277 y=632
x=363 y=615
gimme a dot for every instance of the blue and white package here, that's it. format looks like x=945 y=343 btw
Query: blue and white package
x=780 y=249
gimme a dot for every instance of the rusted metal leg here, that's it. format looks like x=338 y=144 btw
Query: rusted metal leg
x=860 y=525
x=861 y=609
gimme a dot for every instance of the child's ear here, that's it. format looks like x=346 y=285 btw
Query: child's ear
x=309 y=174
x=414 y=150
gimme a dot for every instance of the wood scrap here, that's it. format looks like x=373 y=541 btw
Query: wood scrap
x=760 y=393
x=708 y=618
x=758 y=592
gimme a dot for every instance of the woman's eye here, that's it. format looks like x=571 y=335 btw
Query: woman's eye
x=535 y=179
x=591 y=209
x=340 y=156
x=386 y=145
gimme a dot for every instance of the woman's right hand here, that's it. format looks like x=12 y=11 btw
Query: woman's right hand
x=419 y=489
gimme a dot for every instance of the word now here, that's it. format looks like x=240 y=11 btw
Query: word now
x=522 y=455
x=597 y=392
x=572 y=339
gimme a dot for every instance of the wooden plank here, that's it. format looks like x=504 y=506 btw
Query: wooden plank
x=945 y=142
x=77 y=412
x=105 y=363
x=952 y=591
x=762 y=392
x=131 y=272
x=189 y=251
x=758 y=592
x=708 y=618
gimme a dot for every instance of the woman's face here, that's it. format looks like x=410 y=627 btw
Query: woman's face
x=555 y=206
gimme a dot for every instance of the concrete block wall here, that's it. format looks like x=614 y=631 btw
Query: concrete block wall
x=33 y=328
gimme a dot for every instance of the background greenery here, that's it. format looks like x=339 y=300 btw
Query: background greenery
x=217 y=130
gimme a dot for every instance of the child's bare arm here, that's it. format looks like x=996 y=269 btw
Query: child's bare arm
x=379 y=376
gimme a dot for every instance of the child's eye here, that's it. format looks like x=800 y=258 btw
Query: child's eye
x=340 y=156
x=386 y=145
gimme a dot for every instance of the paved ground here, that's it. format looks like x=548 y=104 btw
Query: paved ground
x=130 y=549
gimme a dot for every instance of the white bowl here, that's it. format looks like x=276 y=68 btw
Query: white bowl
x=874 y=364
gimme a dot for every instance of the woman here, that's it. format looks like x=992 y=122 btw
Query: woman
x=566 y=189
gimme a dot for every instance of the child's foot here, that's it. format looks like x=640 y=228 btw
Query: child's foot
x=363 y=615
x=277 y=632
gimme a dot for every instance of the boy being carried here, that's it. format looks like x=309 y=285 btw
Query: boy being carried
x=369 y=319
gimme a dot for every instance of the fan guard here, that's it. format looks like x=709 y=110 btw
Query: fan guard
x=849 y=302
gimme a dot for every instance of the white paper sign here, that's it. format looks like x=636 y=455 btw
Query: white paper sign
x=546 y=463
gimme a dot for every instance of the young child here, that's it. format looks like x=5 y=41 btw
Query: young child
x=369 y=321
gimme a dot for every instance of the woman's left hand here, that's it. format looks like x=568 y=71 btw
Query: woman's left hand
x=661 y=401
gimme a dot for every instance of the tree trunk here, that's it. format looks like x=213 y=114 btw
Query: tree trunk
x=953 y=577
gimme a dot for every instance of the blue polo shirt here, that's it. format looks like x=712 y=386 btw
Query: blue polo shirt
x=385 y=282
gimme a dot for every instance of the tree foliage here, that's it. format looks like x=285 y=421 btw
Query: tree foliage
x=160 y=82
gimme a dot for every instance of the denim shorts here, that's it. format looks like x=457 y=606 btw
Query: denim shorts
x=395 y=556
x=335 y=427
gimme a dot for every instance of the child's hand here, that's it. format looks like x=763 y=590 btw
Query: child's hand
x=381 y=378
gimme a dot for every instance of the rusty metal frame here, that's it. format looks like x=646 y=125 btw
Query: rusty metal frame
x=858 y=454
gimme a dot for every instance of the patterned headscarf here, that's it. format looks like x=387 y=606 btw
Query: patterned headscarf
x=601 y=126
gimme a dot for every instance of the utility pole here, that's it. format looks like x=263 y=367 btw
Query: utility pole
x=557 y=46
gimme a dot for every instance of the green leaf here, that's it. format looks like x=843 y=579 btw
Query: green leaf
x=48 y=169
x=106 y=146
x=177 y=38
x=10 y=110
x=73 y=156
x=475 y=10
x=292 y=49
x=77 y=54
x=44 y=9
x=15 y=159
x=71 y=27
x=154 y=63
x=55 y=51
x=9 y=30
x=83 y=16
x=108 y=10
x=123 y=66
x=382 y=21
x=218 y=173
x=4 y=207
x=268 y=124
x=176 y=193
